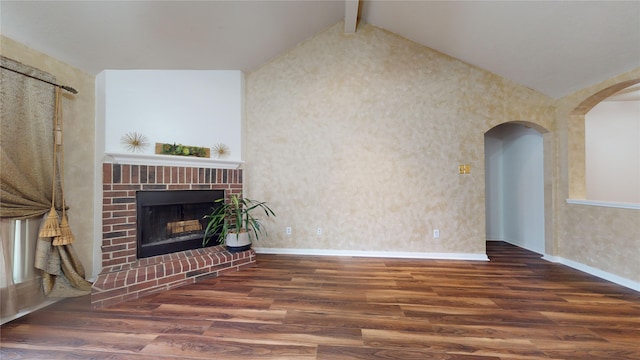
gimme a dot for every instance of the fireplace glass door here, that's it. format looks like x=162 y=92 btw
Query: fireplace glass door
x=171 y=221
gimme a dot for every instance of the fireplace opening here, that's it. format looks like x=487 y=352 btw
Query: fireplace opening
x=172 y=221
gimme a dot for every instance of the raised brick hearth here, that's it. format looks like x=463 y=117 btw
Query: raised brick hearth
x=124 y=277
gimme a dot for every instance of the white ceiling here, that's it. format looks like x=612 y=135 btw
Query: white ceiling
x=555 y=47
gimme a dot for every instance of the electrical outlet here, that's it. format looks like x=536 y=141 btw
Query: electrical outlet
x=436 y=233
x=319 y=231
x=288 y=230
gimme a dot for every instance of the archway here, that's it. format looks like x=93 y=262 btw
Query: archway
x=576 y=137
x=517 y=199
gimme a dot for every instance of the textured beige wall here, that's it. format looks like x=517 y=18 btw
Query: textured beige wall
x=605 y=238
x=79 y=119
x=362 y=135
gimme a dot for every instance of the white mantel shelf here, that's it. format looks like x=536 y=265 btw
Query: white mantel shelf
x=170 y=160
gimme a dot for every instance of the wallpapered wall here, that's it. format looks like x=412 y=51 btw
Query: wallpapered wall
x=362 y=136
x=604 y=238
x=78 y=115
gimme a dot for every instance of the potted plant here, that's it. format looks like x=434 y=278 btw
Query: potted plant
x=233 y=222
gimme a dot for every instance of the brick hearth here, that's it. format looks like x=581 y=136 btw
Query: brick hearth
x=124 y=277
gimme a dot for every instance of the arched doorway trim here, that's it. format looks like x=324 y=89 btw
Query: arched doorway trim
x=541 y=129
x=594 y=99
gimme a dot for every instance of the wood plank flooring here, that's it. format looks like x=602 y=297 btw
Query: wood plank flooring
x=516 y=306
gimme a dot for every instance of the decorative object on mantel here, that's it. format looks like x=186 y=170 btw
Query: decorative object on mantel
x=221 y=150
x=134 y=141
x=182 y=150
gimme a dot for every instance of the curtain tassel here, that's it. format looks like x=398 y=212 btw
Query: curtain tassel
x=51 y=226
x=65 y=237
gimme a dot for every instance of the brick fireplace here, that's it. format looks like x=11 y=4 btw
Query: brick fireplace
x=124 y=277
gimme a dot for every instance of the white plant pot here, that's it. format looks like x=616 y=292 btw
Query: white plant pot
x=238 y=242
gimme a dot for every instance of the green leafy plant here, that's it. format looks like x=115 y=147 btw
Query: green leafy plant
x=233 y=217
x=184 y=150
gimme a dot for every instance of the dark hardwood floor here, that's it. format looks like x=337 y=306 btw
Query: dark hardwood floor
x=516 y=306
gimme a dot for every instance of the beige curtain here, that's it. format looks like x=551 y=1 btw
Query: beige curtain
x=27 y=109
x=26 y=142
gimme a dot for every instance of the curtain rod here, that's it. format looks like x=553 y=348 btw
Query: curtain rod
x=63 y=87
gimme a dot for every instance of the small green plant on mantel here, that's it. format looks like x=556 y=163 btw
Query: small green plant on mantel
x=233 y=220
x=182 y=150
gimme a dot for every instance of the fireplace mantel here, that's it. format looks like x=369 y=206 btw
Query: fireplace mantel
x=170 y=160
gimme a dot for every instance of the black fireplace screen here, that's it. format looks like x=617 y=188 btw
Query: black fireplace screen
x=171 y=221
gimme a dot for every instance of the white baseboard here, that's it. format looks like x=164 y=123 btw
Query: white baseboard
x=377 y=254
x=633 y=285
x=447 y=256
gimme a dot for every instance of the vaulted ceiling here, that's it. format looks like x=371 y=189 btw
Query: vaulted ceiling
x=555 y=47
